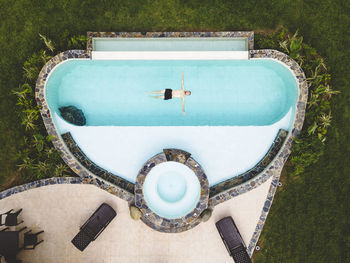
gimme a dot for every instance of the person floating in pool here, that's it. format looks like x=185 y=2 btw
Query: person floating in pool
x=168 y=94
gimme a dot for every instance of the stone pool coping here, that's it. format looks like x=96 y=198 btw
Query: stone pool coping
x=76 y=180
x=58 y=142
x=220 y=197
x=273 y=169
x=186 y=222
x=216 y=199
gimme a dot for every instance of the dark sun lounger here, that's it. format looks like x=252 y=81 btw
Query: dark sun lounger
x=233 y=240
x=94 y=226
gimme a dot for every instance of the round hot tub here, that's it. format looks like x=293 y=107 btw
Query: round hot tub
x=171 y=189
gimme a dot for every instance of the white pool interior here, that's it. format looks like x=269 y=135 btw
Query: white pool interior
x=171 y=189
x=222 y=151
x=171 y=44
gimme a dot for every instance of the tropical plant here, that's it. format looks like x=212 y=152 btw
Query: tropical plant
x=22 y=91
x=326 y=120
x=37 y=157
x=309 y=146
x=292 y=45
x=61 y=170
x=48 y=43
x=27 y=163
x=78 y=42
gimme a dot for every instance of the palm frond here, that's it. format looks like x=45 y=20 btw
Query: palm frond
x=48 y=42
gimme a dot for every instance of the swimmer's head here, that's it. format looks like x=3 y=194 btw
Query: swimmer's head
x=187 y=93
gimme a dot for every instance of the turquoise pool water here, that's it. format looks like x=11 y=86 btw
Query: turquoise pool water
x=224 y=92
x=171 y=189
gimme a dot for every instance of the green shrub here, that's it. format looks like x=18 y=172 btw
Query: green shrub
x=38 y=158
x=309 y=146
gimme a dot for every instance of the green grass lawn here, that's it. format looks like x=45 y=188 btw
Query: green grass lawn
x=308 y=221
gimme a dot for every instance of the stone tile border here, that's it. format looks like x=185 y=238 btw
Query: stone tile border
x=220 y=197
x=275 y=167
x=58 y=142
x=94 y=168
x=77 y=180
x=179 y=224
x=43 y=182
x=258 y=168
x=244 y=34
x=264 y=212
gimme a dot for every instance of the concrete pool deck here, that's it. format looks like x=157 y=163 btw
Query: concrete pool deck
x=61 y=209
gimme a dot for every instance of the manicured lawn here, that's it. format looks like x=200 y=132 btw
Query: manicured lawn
x=309 y=218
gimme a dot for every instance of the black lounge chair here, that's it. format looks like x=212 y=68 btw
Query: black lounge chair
x=233 y=240
x=94 y=226
x=9 y=244
x=31 y=240
x=11 y=218
x=12 y=259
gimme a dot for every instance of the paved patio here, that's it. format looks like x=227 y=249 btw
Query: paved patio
x=61 y=209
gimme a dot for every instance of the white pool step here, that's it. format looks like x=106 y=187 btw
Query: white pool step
x=168 y=55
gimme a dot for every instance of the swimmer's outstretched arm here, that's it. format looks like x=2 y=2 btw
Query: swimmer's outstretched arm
x=182 y=82
x=183 y=106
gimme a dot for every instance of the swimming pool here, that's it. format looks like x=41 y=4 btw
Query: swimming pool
x=236 y=110
x=245 y=109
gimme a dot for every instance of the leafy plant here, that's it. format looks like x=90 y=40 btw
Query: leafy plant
x=37 y=157
x=79 y=41
x=318 y=118
x=48 y=43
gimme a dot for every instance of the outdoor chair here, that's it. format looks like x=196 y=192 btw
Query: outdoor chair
x=31 y=240
x=11 y=218
x=94 y=226
x=4 y=215
x=233 y=240
x=12 y=259
x=9 y=244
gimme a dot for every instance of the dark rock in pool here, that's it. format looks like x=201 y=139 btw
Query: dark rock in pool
x=73 y=115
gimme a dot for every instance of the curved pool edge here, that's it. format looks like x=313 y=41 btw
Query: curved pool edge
x=275 y=167
x=272 y=169
x=58 y=141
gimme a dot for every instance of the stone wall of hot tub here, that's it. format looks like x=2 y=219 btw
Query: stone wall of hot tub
x=186 y=222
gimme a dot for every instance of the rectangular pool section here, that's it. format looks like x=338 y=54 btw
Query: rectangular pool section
x=170 y=44
x=224 y=92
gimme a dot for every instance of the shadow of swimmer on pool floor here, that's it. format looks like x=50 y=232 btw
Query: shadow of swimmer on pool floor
x=168 y=94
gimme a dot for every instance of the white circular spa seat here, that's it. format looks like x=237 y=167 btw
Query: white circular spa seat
x=171 y=189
